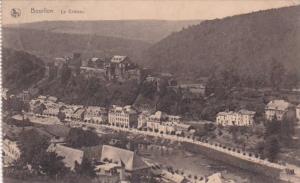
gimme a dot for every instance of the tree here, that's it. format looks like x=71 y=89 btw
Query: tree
x=78 y=137
x=272 y=148
x=276 y=74
x=34 y=152
x=31 y=145
x=51 y=164
x=272 y=127
x=61 y=116
x=86 y=168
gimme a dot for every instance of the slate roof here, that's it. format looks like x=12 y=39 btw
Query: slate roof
x=281 y=105
x=129 y=158
x=69 y=154
x=118 y=59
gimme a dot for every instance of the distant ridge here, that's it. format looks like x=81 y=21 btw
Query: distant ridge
x=145 y=30
x=249 y=42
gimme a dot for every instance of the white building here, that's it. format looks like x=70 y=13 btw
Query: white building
x=231 y=118
x=69 y=111
x=11 y=151
x=94 y=114
x=277 y=108
x=123 y=116
x=298 y=112
x=163 y=123
x=52 y=109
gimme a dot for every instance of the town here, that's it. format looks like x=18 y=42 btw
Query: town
x=122 y=162
x=150 y=92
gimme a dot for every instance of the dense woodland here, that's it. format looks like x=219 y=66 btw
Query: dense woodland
x=245 y=46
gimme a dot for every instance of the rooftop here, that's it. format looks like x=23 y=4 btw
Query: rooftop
x=118 y=59
x=129 y=158
x=281 y=105
x=70 y=155
x=125 y=109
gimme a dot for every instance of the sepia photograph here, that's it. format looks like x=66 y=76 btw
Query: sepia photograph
x=149 y=91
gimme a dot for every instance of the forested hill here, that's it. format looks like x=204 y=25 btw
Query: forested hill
x=245 y=44
x=144 y=30
x=48 y=44
x=20 y=70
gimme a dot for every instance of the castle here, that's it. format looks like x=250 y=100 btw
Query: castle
x=117 y=68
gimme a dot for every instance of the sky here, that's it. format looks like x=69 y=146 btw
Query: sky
x=133 y=9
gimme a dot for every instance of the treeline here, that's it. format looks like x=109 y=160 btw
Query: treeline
x=223 y=80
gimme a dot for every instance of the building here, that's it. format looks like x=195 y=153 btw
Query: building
x=25 y=96
x=71 y=156
x=163 y=123
x=123 y=116
x=94 y=114
x=36 y=106
x=69 y=111
x=231 y=118
x=78 y=114
x=142 y=119
x=5 y=93
x=52 y=109
x=172 y=177
x=121 y=68
x=117 y=159
x=45 y=105
x=11 y=151
x=90 y=72
x=298 y=112
x=277 y=109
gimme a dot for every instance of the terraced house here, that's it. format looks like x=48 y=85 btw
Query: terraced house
x=94 y=114
x=277 y=109
x=231 y=118
x=123 y=116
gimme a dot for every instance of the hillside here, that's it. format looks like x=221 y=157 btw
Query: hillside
x=245 y=44
x=20 y=70
x=144 y=30
x=47 y=44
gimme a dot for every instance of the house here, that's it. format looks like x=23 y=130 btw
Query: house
x=298 y=112
x=155 y=120
x=36 y=106
x=11 y=150
x=69 y=111
x=45 y=105
x=142 y=119
x=231 y=118
x=278 y=109
x=172 y=177
x=217 y=178
x=78 y=114
x=71 y=156
x=94 y=114
x=5 y=93
x=123 y=116
x=116 y=158
x=52 y=109
x=163 y=123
